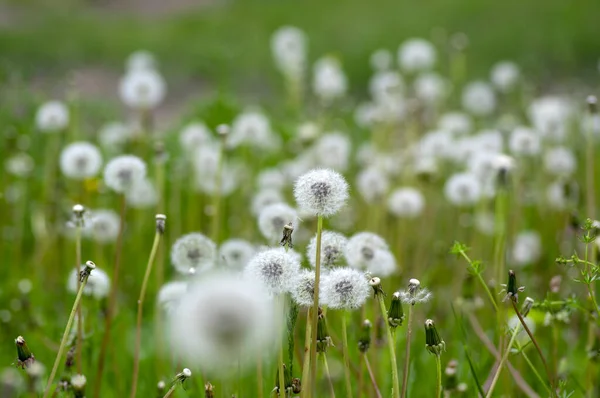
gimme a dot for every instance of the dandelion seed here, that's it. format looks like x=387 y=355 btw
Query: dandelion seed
x=430 y=87
x=194 y=136
x=333 y=247
x=527 y=248
x=321 y=192
x=193 y=254
x=234 y=254
x=274 y=269
x=122 y=172
x=560 y=161
x=550 y=115
x=524 y=142
x=361 y=248
x=273 y=218
x=52 y=117
x=415 y=294
x=103 y=225
x=385 y=86
x=252 y=128
x=170 y=294
x=344 y=288
x=288 y=47
x=329 y=80
x=332 y=151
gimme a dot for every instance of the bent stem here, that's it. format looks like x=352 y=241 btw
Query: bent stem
x=537 y=347
x=63 y=342
x=391 y=345
x=138 y=329
x=315 y=312
x=330 y=382
x=346 y=356
x=502 y=362
x=480 y=278
x=438 y=390
x=407 y=360
x=112 y=302
x=372 y=376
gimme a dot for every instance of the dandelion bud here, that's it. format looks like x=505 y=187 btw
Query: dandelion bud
x=375 y=283
x=160 y=223
x=395 y=313
x=527 y=305
x=78 y=383
x=87 y=270
x=323 y=339
x=512 y=291
x=450 y=373
x=321 y=191
x=25 y=357
x=78 y=211
x=364 y=339
x=592 y=102
x=433 y=342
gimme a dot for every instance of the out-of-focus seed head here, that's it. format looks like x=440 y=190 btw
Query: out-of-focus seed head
x=97 y=286
x=234 y=254
x=273 y=218
x=52 y=117
x=78 y=383
x=169 y=295
x=80 y=160
x=303 y=288
x=333 y=246
x=122 y=172
x=415 y=294
x=193 y=253
x=142 y=89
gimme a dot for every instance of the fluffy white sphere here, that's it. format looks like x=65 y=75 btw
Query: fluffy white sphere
x=505 y=75
x=332 y=150
x=114 y=135
x=193 y=253
x=456 y=123
x=140 y=60
x=381 y=59
x=329 y=80
x=303 y=288
x=264 y=198
x=142 y=194
x=273 y=218
x=142 y=89
x=560 y=161
x=524 y=142
x=122 y=172
x=333 y=247
x=372 y=184
x=271 y=179
x=550 y=116
x=80 y=160
x=234 y=254
x=274 y=269
x=527 y=248
x=194 y=136
x=321 y=191
x=479 y=99
x=344 y=288
x=288 y=47
x=361 y=248
x=416 y=55
x=104 y=225
x=430 y=87
x=252 y=128
x=463 y=189
x=386 y=85
x=406 y=202
x=52 y=116
x=97 y=286
x=170 y=293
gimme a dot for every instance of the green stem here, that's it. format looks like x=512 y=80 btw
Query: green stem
x=407 y=359
x=502 y=362
x=371 y=375
x=306 y=365
x=63 y=342
x=281 y=374
x=480 y=278
x=534 y=369
x=326 y=367
x=79 y=340
x=345 y=353
x=216 y=198
x=391 y=345
x=140 y=311
x=315 y=313
x=259 y=377
x=438 y=390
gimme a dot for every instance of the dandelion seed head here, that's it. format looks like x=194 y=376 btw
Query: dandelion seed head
x=142 y=89
x=234 y=254
x=114 y=135
x=142 y=194
x=273 y=218
x=527 y=248
x=78 y=381
x=416 y=55
x=505 y=75
x=381 y=59
x=463 y=189
x=274 y=269
x=550 y=116
x=140 y=60
x=386 y=85
x=479 y=98
x=406 y=202
x=372 y=184
x=457 y=123
x=98 y=283
x=329 y=80
x=288 y=47
x=194 y=136
x=271 y=179
x=52 y=117
x=20 y=165
x=333 y=246
x=102 y=225
x=303 y=288
x=345 y=288
x=524 y=141
x=560 y=161
x=80 y=160
x=252 y=128
x=193 y=253
x=361 y=248
x=382 y=263
x=122 y=172
x=332 y=151
x=430 y=87
x=170 y=293
x=321 y=191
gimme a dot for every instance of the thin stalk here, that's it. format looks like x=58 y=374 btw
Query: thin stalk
x=140 y=311
x=171 y=391
x=502 y=362
x=315 y=313
x=216 y=198
x=328 y=375
x=499 y=255
x=63 y=342
x=407 y=359
x=112 y=302
x=438 y=389
x=537 y=347
x=306 y=365
x=391 y=345
x=259 y=377
x=480 y=278
x=535 y=372
x=79 y=339
x=346 y=356
x=372 y=376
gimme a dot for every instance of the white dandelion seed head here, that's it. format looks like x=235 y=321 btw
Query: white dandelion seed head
x=80 y=160
x=273 y=218
x=425 y=165
x=365 y=115
x=505 y=75
x=289 y=48
x=194 y=136
x=381 y=60
x=206 y=159
x=193 y=253
x=344 y=288
x=560 y=161
x=102 y=225
x=383 y=263
x=524 y=141
x=251 y=128
x=274 y=269
x=550 y=116
x=98 y=283
x=406 y=202
x=333 y=247
x=361 y=248
x=463 y=189
x=386 y=85
x=231 y=175
x=479 y=98
x=122 y=172
x=332 y=151
x=264 y=198
x=114 y=135
x=78 y=381
x=169 y=295
x=415 y=294
x=372 y=184
x=142 y=194
x=416 y=55
x=485 y=222
x=142 y=89
x=140 y=60
x=271 y=179
x=52 y=116
x=223 y=322
x=19 y=165
x=329 y=80
x=556 y=195
x=303 y=288
x=436 y=144
x=308 y=131
x=430 y=87
x=457 y=123
x=489 y=140
x=321 y=191
x=527 y=248
x=234 y=254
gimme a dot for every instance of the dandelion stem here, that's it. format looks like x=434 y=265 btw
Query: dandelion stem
x=502 y=361
x=371 y=375
x=391 y=345
x=63 y=342
x=330 y=382
x=407 y=360
x=480 y=278
x=438 y=389
x=259 y=377
x=346 y=356
x=112 y=302
x=306 y=364
x=216 y=198
x=171 y=390
x=535 y=371
x=280 y=373
x=534 y=341
x=79 y=339
x=315 y=313
x=140 y=305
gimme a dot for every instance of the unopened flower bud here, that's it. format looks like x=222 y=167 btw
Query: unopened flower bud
x=161 y=220
x=395 y=313
x=78 y=383
x=512 y=291
x=433 y=342
x=25 y=357
x=364 y=339
x=78 y=211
